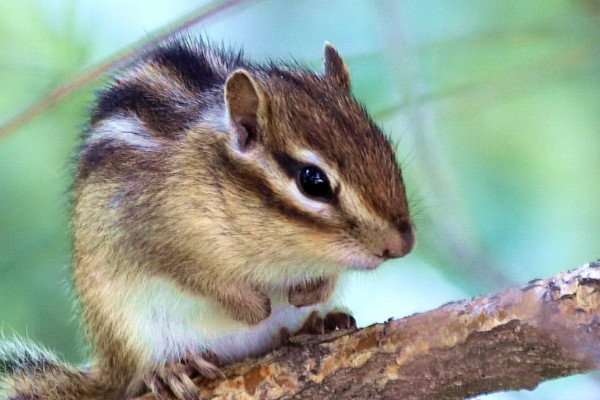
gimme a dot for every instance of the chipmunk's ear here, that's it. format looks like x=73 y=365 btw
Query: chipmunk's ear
x=335 y=69
x=246 y=103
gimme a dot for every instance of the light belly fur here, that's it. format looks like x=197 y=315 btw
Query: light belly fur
x=171 y=323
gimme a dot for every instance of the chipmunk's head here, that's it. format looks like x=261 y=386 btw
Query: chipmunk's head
x=272 y=172
x=324 y=185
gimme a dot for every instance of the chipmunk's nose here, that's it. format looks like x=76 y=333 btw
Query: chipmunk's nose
x=399 y=242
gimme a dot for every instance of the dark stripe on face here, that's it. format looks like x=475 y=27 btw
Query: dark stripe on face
x=288 y=164
x=291 y=167
x=252 y=181
x=341 y=130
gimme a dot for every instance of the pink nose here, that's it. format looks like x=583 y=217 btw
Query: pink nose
x=399 y=242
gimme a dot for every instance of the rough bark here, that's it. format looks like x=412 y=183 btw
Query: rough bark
x=513 y=339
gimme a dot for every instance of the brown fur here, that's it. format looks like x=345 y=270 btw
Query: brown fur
x=210 y=208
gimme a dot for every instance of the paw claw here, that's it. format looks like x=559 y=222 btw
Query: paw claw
x=173 y=378
x=170 y=378
x=352 y=323
x=156 y=385
x=334 y=320
x=205 y=365
x=211 y=357
x=339 y=320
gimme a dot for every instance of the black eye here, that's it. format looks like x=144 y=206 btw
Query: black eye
x=313 y=182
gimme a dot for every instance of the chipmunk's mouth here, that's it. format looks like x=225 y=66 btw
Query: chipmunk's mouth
x=388 y=244
x=366 y=262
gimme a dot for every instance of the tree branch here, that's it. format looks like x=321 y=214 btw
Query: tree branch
x=510 y=340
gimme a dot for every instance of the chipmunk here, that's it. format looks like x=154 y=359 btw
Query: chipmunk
x=216 y=203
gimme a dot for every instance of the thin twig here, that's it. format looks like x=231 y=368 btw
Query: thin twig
x=116 y=59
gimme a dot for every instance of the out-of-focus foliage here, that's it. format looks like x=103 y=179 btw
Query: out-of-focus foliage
x=494 y=104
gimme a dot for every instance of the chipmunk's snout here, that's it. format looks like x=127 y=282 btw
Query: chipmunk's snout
x=398 y=242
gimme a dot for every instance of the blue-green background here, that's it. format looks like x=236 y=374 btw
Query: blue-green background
x=495 y=104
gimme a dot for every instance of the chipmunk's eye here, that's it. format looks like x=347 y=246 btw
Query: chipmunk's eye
x=313 y=182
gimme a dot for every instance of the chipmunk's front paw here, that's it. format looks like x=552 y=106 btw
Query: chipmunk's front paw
x=255 y=309
x=334 y=320
x=245 y=303
x=339 y=320
x=173 y=378
x=312 y=292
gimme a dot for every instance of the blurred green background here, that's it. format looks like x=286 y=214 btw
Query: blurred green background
x=495 y=106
